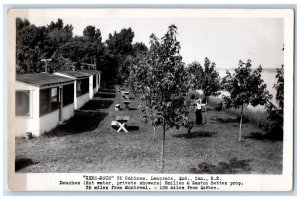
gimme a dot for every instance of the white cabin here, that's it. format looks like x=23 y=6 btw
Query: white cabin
x=42 y=100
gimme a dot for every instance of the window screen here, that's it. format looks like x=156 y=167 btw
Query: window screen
x=82 y=87
x=22 y=103
x=48 y=100
x=68 y=94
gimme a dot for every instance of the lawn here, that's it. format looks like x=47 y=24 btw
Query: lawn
x=87 y=143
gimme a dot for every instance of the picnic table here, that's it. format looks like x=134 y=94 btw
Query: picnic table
x=120 y=89
x=125 y=95
x=121 y=123
x=126 y=103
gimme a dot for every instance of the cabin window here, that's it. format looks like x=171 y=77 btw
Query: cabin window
x=94 y=81
x=49 y=100
x=22 y=103
x=82 y=87
x=68 y=94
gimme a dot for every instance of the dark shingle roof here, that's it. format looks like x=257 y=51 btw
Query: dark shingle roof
x=75 y=74
x=42 y=79
x=91 y=72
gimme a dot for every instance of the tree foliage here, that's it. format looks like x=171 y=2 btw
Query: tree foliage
x=276 y=111
x=246 y=87
x=113 y=57
x=120 y=43
x=35 y=43
x=160 y=77
x=91 y=33
x=207 y=79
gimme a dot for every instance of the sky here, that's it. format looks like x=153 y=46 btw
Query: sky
x=224 y=40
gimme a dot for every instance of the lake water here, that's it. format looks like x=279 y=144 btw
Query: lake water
x=269 y=77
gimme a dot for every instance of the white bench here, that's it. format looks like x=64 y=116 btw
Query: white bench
x=117 y=107
x=114 y=125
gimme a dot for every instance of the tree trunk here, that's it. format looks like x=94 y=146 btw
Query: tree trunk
x=241 y=120
x=163 y=150
x=189 y=129
x=153 y=133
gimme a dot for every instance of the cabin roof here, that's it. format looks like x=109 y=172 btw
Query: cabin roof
x=75 y=74
x=42 y=79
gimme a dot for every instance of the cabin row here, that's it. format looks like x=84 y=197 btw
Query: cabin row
x=43 y=100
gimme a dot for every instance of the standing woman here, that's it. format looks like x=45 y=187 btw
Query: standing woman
x=198 y=111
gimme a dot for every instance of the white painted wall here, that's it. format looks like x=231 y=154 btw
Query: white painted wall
x=75 y=84
x=97 y=85
x=68 y=112
x=99 y=80
x=49 y=121
x=95 y=90
x=34 y=123
x=75 y=95
x=23 y=124
x=91 y=86
x=81 y=100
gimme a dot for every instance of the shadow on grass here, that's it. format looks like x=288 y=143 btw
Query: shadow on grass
x=106 y=95
x=132 y=128
x=128 y=128
x=80 y=122
x=110 y=86
x=227 y=120
x=234 y=166
x=23 y=162
x=111 y=90
x=197 y=134
x=97 y=104
x=269 y=136
x=231 y=120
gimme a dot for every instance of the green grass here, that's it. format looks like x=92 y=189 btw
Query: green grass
x=212 y=148
x=257 y=117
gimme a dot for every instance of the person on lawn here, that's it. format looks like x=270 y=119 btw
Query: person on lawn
x=198 y=111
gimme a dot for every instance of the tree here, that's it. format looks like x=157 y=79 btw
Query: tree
x=85 y=49
x=207 y=79
x=138 y=70
x=34 y=43
x=29 y=41
x=195 y=72
x=90 y=32
x=187 y=123
x=139 y=48
x=211 y=79
x=276 y=111
x=56 y=35
x=279 y=86
x=124 y=69
x=119 y=46
x=245 y=87
x=163 y=87
x=59 y=63
x=121 y=43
